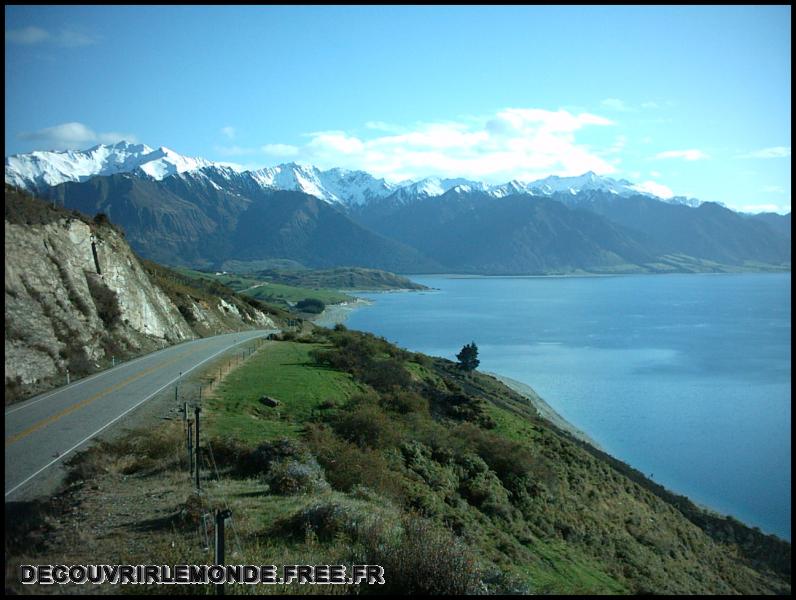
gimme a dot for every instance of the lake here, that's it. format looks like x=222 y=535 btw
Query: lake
x=685 y=377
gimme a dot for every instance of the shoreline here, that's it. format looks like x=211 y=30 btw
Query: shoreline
x=586 y=274
x=339 y=314
x=334 y=314
x=544 y=409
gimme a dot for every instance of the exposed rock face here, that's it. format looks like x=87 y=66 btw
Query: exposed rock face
x=71 y=306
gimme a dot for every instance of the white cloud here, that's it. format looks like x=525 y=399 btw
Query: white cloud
x=515 y=143
x=67 y=38
x=26 y=35
x=73 y=136
x=685 y=154
x=774 y=152
x=653 y=187
x=774 y=189
x=228 y=131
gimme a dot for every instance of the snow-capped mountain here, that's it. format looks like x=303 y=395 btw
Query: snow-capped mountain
x=39 y=170
x=335 y=185
x=42 y=169
x=587 y=181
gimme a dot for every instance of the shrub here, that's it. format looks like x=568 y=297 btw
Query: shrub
x=332 y=518
x=510 y=460
x=386 y=374
x=289 y=476
x=310 y=305
x=187 y=313
x=425 y=559
x=462 y=407
x=367 y=426
x=405 y=401
x=348 y=466
x=105 y=300
x=87 y=465
x=77 y=361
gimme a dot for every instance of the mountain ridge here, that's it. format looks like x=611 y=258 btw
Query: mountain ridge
x=37 y=170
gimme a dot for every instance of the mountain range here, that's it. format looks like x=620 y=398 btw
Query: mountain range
x=192 y=212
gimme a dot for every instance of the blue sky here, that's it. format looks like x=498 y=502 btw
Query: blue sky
x=692 y=101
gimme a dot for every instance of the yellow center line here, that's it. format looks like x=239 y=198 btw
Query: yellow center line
x=87 y=401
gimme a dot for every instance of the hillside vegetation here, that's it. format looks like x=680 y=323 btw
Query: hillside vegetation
x=376 y=455
x=265 y=290
x=525 y=505
x=342 y=278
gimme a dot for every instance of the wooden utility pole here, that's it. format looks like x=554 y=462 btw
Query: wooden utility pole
x=190 y=447
x=197 y=410
x=221 y=516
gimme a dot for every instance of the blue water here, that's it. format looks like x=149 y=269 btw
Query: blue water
x=685 y=377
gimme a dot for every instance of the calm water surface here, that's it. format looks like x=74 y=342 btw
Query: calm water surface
x=685 y=377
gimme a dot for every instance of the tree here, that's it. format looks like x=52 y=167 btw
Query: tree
x=311 y=305
x=468 y=357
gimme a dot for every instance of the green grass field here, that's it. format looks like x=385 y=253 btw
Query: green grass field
x=278 y=292
x=265 y=291
x=280 y=370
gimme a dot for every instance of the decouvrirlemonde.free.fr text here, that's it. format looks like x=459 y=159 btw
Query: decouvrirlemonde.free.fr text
x=201 y=574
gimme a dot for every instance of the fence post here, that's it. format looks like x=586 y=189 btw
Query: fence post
x=221 y=516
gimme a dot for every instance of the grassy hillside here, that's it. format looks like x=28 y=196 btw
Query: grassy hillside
x=371 y=443
x=376 y=455
x=261 y=288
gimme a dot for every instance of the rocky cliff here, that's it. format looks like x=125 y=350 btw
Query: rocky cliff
x=78 y=299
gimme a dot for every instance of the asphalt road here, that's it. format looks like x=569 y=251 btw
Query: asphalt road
x=42 y=431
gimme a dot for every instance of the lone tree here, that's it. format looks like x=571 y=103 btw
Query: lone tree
x=468 y=357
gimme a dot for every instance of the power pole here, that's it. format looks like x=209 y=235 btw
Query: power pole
x=221 y=516
x=197 y=410
x=190 y=448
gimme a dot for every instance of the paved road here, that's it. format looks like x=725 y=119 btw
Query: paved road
x=44 y=430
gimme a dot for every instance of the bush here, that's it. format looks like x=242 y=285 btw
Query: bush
x=286 y=465
x=187 y=313
x=348 y=517
x=404 y=402
x=105 y=300
x=291 y=476
x=510 y=460
x=386 y=374
x=310 y=305
x=425 y=559
x=348 y=466
x=367 y=426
